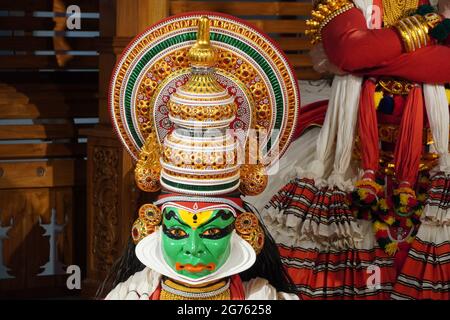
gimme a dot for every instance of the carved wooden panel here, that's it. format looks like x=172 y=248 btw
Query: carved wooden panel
x=106 y=203
x=112 y=204
x=35 y=260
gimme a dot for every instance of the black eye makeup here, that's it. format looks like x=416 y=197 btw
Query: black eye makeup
x=169 y=214
x=217 y=233
x=174 y=232
x=225 y=214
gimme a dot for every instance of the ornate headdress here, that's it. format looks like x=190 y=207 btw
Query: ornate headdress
x=204 y=121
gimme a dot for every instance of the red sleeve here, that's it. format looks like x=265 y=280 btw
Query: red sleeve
x=428 y=65
x=351 y=46
x=354 y=48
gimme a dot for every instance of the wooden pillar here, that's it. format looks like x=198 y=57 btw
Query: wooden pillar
x=112 y=195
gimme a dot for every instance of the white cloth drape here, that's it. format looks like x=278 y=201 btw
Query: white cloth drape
x=438 y=116
x=336 y=138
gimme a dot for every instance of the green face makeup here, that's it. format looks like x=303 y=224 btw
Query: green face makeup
x=196 y=244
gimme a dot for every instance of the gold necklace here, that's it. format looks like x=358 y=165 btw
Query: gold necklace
x=393 y=10
x=175 y=291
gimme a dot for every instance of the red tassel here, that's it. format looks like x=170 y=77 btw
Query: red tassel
x=368 y=127
x=408 y=148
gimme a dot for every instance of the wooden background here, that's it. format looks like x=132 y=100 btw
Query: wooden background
x=284 y=21
x=48 y=93
x=58 y=152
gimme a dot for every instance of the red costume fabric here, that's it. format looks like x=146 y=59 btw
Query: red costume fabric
x=408 y=148
x=425 y=264
x=331 y=273
x=339 y=274
x=309 y=116
x=367 y=127
x=354 y=48
x=237 y=288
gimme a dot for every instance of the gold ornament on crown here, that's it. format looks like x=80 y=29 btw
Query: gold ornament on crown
x=246 y=74
x=202 y=113
x=201 y=110
x=148 y=167
x=201 y=98
x=199 y=159
x=202 y=53
x=150 y=81
x=203 y=102
x=253 y=179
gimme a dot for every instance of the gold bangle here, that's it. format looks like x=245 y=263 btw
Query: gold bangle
x=412 y=32
x=405 y=36
x=422 y=22
x=422 y=29
x=405 y=28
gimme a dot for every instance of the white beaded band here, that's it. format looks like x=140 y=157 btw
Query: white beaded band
x=198 y=199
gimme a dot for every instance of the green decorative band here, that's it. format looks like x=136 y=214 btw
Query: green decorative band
x=222 y=38
x=200 y=188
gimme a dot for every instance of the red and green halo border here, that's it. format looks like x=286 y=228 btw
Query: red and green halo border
x=292 y=78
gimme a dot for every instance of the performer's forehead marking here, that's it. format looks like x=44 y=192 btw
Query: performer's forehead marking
x=195 y=220
x=195 y=217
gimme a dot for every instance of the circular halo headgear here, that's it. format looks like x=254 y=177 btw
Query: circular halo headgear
x=203 y=119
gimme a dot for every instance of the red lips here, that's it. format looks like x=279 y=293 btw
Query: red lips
x=195 y=268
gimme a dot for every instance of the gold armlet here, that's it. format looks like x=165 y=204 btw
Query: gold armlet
x=414 y=30
x=323 y=14
x=432 y=20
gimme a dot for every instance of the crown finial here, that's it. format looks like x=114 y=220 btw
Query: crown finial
x=202 y=53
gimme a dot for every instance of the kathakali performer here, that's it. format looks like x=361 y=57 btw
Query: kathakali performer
x=366 y=210
x=186 y=97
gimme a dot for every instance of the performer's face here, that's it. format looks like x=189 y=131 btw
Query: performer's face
x=196 y=244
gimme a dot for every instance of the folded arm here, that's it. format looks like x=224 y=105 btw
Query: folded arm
x=355 y=49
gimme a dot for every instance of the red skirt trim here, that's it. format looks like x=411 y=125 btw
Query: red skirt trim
x=340 y=274
x=426 y=272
